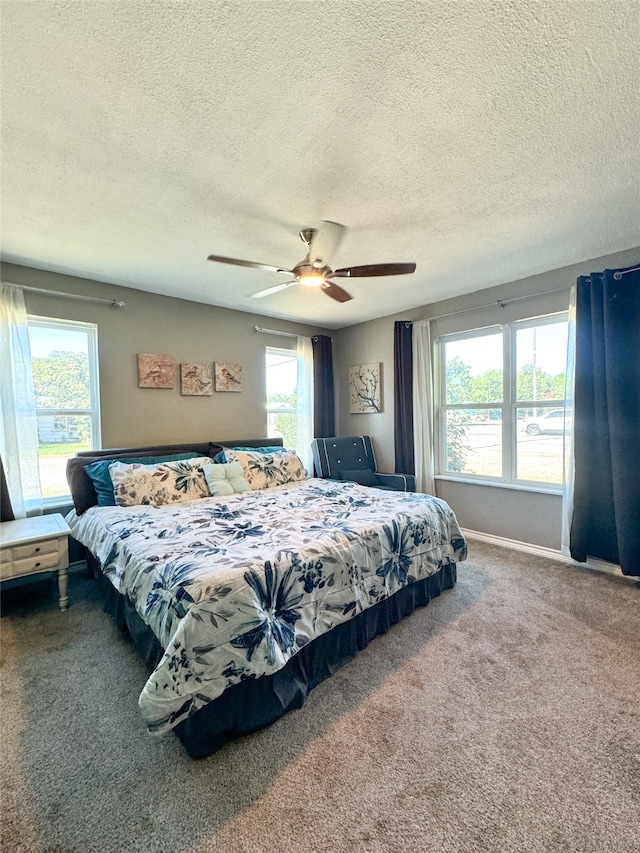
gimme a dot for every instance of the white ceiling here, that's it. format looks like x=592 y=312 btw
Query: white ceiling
x=486 y=141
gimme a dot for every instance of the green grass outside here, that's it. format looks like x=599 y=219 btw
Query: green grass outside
x=63 y=449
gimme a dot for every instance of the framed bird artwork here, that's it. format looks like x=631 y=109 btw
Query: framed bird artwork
x=196 y=380
x=228 y=375
x=155 y=371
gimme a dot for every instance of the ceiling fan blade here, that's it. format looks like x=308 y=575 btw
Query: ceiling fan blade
x=375 y=269
x=325 y=243
x=335 y=291
x=238 y=263
x=276 y=287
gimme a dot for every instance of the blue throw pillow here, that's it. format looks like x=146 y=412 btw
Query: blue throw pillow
x=101 y=479
x=221 y=458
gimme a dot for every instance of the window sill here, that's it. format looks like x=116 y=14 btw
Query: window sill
x=518 y=487
x=61 y=503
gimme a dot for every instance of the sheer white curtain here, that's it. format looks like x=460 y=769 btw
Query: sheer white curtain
x=304 y=421
x=18 y=425
x=569 y=391
x=423 y=407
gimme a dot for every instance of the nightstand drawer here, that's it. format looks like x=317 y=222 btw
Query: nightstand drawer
x=5 y=555
x=31 y=565
x=36 y=549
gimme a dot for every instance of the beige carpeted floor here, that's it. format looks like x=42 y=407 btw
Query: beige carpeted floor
x=505 y=716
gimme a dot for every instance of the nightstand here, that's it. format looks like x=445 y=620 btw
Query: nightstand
x=29 y=546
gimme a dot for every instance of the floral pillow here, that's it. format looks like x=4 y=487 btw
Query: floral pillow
x=263 y=470
x=158 y=485
x=225 y=479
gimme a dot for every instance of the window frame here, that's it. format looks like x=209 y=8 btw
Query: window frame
x=508 y=406
x=93 y=411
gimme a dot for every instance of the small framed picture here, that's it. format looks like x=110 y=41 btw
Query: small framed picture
x=228 y=376
x=156 y=371
x=196 y=380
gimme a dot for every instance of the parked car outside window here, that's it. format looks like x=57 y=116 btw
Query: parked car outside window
x=551 y=422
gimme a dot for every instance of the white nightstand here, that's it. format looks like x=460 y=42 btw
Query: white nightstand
x=29 y=546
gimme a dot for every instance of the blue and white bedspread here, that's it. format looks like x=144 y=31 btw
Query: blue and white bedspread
x=233 y=587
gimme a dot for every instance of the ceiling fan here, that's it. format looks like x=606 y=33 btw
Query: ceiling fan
x=313 y=270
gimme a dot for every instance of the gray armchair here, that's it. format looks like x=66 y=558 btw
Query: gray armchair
x=352 y=458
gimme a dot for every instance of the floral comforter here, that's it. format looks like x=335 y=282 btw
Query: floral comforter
x=233 y=587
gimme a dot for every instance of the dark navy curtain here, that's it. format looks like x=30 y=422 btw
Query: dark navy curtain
x=606 y=508
x=6 y=510
x=403 y=396
x=324 y=420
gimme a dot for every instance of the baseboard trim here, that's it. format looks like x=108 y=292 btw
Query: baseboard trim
x=78 y=566
x=549 y=553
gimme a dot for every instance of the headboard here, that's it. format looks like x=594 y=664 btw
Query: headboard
x=81 y=485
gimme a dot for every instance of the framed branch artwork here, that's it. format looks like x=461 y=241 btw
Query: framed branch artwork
x=228 y=376
x=365 y=387
x=196 y=380
x=156 y=371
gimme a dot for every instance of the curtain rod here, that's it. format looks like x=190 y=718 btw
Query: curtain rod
x=619 y=273
x=115 y=303
x=275 y=332
x=499 y=302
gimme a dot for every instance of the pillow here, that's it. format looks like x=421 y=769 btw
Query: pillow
x=159 y=485
x=101 y=478
x=225 y=479
x=222 y=457
x=81 y=487
x=215 y=449
x=363 y=476
x=276 y=448
x=263 y=470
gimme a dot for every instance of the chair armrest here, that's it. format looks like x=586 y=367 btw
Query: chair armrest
x=399 y=482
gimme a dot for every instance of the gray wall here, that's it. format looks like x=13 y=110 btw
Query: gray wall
x=188 y=331
x=194 y=332
x=525 y=516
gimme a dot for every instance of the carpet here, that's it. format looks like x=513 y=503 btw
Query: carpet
x=505 y=716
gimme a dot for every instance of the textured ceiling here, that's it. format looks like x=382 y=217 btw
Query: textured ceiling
x=486 y=141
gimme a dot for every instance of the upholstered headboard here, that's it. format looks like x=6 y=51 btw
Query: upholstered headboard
x=81 y=485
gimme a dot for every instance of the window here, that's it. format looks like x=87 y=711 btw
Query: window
x=282 y=395
x=501 y=403
x=290 y=397
x=64 y=361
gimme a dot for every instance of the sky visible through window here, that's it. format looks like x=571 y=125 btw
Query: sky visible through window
x=485 y=352
x=282 y=373
x=45 y=341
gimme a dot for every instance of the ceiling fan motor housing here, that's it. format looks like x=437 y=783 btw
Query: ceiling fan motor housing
x=309 y=274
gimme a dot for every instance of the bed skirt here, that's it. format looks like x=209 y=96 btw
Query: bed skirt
x=255 y=703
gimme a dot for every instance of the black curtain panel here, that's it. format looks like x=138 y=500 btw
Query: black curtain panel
x=6 y=510
x=403 y=396
x=324 y=419
x=606 y=510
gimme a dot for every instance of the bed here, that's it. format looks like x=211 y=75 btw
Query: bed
x=242 y=602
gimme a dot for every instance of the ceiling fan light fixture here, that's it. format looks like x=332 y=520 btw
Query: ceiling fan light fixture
x=311 y=279
x=314 y=270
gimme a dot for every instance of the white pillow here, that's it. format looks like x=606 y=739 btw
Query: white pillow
x=225 y=479
x=158 y=485
x=263 y=470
